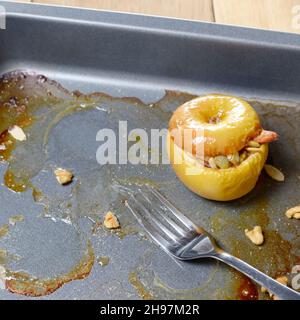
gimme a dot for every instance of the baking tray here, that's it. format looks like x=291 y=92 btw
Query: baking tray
x=126 y=55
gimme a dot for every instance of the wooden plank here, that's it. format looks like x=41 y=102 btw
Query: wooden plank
x=283 y=15
x=185 y=9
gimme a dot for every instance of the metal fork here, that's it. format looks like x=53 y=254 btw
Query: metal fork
x=182 y=239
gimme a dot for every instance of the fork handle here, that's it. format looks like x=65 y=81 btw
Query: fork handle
x=280 y=290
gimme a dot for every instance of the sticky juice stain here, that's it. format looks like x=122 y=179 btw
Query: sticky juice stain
x=142 y=291
x=4 y=230
x=275 y=257
x=25 y=284
x=13 y=183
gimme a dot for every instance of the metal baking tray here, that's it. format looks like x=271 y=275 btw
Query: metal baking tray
x=128 y=55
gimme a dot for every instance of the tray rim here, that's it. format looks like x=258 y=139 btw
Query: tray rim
x=153 y=23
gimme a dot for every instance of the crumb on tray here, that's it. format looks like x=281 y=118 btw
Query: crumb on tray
x=111 y=221
x=255 y=235
x=293 y=212
x=63 y=176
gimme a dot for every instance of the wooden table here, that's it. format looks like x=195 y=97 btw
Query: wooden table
x=283 y=15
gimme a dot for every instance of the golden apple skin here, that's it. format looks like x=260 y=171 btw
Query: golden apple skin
x=217 y=184
x=238 y=123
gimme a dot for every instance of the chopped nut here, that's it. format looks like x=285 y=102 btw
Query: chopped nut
x=293 y=213
x=274 y=173
x=266 y=136
x=297 y=215
x=255 y=235
x=17 y=133
x=63 y=176
x=283 y=280
x=111 y=221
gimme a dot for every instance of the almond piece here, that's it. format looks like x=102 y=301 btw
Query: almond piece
x=252 y=149
x=17 y=133
x=274 y=173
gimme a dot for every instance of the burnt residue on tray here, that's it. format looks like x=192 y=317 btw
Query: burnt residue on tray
x=26 y=284
x=61 y=128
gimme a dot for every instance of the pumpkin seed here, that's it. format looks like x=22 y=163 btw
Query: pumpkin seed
x=274 y=173
x=243 y=156
x=253 y=144
x=222 y=162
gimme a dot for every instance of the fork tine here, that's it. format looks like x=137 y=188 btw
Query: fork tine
x=163 y=216
x=150 y=229
x=153 y=220
x=183 y=219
